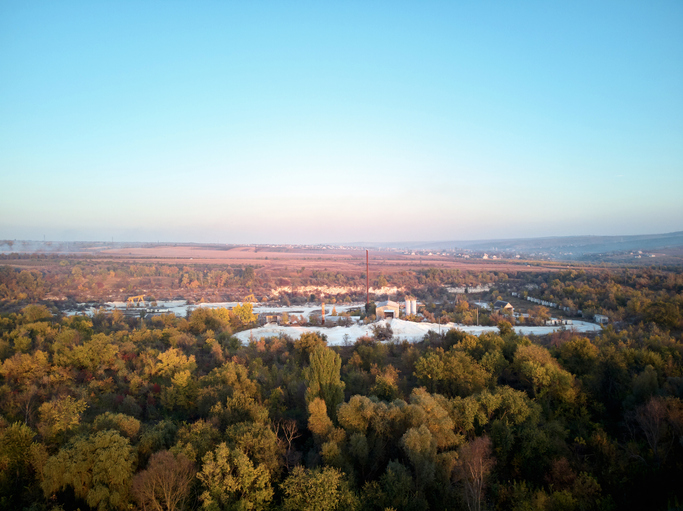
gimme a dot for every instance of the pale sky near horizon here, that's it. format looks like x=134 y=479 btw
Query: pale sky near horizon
x=309 y=122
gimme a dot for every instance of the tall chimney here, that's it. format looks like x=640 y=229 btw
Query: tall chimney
x=367 y=279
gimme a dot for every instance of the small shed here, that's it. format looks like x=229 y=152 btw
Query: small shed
x=387 y=309
x=600 y=319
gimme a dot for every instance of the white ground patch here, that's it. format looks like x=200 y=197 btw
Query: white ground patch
x=301 y=310
x=181 y=308
x=337 y=290
x=403 y=330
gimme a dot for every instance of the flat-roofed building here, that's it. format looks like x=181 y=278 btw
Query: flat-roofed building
x=600 y=319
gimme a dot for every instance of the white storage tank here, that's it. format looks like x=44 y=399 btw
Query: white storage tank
x=411 y=306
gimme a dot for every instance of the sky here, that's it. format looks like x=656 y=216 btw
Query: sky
x=324 y=122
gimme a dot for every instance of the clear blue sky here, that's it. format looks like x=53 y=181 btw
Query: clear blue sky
x=257 y=122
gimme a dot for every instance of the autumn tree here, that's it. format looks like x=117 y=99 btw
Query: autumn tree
x=165 y=484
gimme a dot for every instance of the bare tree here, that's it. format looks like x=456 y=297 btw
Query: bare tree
x=31 y=392
x=651 y=418
x=661 y=422
x=287 y=431
x=473 y=467
x=165 y=484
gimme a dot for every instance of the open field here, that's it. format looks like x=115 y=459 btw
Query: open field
x=283 y=261
x=217 y=273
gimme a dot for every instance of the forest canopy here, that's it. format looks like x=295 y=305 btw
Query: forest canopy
x=117 y=412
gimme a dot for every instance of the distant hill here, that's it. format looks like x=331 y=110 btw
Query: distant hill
x=618 y=249
x=564 y=247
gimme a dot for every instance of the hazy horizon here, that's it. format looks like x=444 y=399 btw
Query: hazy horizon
x=359 y=243
x=308 y=123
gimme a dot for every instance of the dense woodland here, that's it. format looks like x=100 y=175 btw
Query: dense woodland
x=117 y=412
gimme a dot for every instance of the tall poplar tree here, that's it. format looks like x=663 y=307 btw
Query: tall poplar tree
x=323 y=378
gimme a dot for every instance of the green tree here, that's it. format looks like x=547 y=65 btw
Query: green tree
x=420 y=446
x=95 y=355
x=505 y=328
x=205 y=318
x=59 y=416
x=395 y=490
x=98 y=468
x=32 y=313
x=248 y=276
x=307 y=343
x=452 y=373
x=243 y=315
x=125 y=424
x=434 y=416
x=194 y=440
x=173 y=361
x=319 y=422
x=386 y=384
x=323 y=378
x=540 y=371
x=259 y=442
x=318 y=489
x=232 y=482
x=578 y=355
x=17 y=465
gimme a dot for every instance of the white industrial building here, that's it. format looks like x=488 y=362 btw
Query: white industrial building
x=387 y=309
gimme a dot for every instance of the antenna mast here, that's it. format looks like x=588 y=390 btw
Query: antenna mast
x=367 y=280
